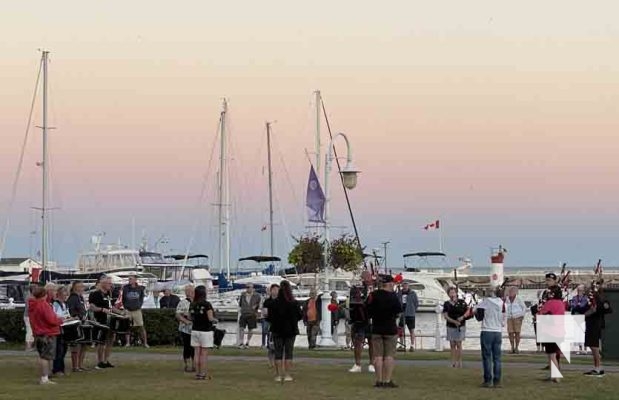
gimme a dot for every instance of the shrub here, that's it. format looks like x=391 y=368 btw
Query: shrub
x=161 y=326
x=12 y=327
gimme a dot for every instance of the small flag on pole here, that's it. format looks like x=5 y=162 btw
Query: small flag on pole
x=315 y=199
x=433 y=225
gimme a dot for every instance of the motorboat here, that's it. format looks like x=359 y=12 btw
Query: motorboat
x=259 y=271
x=430 y=274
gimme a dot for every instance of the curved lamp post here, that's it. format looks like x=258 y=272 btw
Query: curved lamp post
x=349 y=178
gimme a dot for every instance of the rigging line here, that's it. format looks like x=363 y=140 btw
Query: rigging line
x=20 y=164
x=339 y=169
x=283 y=217
x=200 y=204
x=287 y=174
x=54 y=191
x=300 y=219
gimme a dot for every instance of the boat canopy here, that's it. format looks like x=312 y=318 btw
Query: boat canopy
x=149 y=254
x=425 y=254
x=189 y=257
x=261 y=259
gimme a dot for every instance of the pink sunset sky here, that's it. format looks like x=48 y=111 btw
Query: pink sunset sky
x=498 y=118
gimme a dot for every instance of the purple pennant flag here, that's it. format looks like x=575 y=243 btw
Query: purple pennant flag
x=315 y=199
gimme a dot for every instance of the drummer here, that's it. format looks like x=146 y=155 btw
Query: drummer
x=77 y=309
x=60 y=308
x=101 y=305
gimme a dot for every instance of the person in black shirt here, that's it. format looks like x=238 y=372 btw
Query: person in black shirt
x=383 y=308
x=594 y=325
x=101 y=305
x=203 y=320
x=453 y=312
x=169 y=300
x=359 y=327
x=77 y=309
x=268 y=302
x=284 y=315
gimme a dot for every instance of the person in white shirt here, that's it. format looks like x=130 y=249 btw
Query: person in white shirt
x=60 y=309
x=491 y=313
x=515 y=310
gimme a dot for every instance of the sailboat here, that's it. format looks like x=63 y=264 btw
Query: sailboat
x=259 y=275
x=231 y=286
x=36 y=269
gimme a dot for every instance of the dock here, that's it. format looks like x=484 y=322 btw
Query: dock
x=535 y=280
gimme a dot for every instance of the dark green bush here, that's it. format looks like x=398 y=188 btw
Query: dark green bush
x=12 y=326
x=160 y=324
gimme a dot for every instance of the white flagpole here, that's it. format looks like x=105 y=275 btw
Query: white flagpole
x=439 y=228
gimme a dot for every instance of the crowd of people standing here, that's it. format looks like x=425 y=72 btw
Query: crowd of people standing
x=375 y=314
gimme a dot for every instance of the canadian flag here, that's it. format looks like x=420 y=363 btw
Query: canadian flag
x=433 y=225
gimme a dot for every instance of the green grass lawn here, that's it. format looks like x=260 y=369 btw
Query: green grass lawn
x=252 y=380
x=340 y=354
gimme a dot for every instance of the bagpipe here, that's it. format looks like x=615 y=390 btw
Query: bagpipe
x=563 y=281
x=597 y=282
x=464 y=307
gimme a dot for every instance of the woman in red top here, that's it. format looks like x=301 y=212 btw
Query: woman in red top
x=45 y=327
x=554 y=306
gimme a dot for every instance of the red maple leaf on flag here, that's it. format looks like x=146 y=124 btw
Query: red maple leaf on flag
x=434 y=225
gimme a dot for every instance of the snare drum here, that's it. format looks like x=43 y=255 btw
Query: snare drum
x=99 y=332
x=119 y=323
x=72 y=331
x=87 y=331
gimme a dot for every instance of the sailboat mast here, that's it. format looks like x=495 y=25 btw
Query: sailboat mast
x=318 y=111
x=44 y=167
x=268 y=124
x=224 y=194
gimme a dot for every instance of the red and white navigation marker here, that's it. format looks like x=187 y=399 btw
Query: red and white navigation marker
x=496 y=269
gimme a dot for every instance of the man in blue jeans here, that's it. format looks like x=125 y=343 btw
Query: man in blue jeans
x=491 y=313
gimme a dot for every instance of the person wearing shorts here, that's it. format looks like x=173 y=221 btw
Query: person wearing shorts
x=132 y=301
x=359 y=328
x=594 y=325
x=249 y=304
x=77 y=310
x=284 y=315
x=100 y=303
x=202 y=329
x=515 y=310
x=45 y=328
x=410 y=303
x=383 y=309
